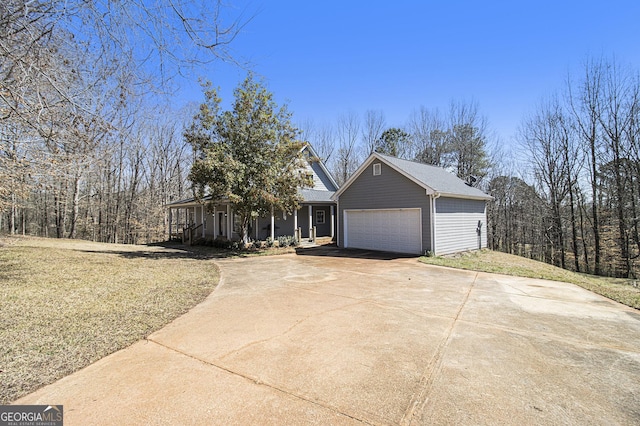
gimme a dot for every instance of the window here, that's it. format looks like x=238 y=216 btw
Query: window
x=319 y=217
x=377 y=169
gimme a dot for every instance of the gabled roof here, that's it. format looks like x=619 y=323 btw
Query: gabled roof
x=313 y=153
x=435 y=180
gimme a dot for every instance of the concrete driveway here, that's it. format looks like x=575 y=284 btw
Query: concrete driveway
x=331 y=337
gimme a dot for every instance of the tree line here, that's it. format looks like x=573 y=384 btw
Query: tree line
x=87 y=148
x=576 y=206
x=84 y=155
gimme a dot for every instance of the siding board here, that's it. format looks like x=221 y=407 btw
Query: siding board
x=456 y=223
x=389 y=190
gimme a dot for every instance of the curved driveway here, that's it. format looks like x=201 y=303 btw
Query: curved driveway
x=334 y=337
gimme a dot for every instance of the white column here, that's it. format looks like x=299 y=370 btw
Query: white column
x=295 y=221
x=310 y=220
x=273 y=225
x=170 y=220
x=332 y=221
x=229 y=229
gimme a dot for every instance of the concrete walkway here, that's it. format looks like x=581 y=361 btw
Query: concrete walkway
x=334 y=338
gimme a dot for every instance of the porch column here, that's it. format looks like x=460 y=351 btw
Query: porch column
x=310 y=221
x=170 y=220
x=228 y=230
x=332 y=221
x=273 y=225
x=203 y=219
x=295 y=221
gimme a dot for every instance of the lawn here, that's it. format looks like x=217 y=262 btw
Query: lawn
x=625 y=291
x=66 y=303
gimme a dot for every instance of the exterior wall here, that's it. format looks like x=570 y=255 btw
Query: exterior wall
x=389 y=190
x=320 y=180
x=283 y=226
x=322 y=229
x=456 y=225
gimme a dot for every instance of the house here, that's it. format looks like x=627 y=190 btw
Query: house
x=191 y=219
x=396 y=205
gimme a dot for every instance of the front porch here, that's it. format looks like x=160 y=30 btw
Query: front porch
x=190 y=220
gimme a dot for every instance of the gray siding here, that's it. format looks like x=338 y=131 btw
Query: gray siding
x=283 y=225
x=456 y=224
x=320 y=179
x=389 y=190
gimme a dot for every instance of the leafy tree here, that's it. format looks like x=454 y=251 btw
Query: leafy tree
x=394 y=142
x=249 y=155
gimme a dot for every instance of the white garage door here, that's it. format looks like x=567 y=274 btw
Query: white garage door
x=394 y=230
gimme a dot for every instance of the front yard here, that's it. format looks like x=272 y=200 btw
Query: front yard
x=66 y=303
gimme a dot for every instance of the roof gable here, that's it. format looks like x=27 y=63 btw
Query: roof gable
x=435 y=180
x=322 y=178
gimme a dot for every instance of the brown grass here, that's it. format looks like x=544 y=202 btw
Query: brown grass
x=625 y=291
x=66 y=303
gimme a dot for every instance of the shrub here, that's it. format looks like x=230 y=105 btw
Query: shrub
x=287 y=241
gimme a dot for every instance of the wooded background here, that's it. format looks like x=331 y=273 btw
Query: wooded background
x=91 y=148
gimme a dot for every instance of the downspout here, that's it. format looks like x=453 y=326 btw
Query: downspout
x=434 y=197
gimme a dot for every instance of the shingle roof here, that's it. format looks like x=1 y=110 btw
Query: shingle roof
x=315 y=196
x=434 y=179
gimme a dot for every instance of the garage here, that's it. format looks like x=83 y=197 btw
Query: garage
x=393 y=230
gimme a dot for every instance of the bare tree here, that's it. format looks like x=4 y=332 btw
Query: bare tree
x=322 y=138
x=468 y=142
x=430 y=137
x=348 y=154
x=583 y=102
x=374 y=125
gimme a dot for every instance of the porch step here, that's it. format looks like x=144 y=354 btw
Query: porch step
x=307 y=244
x=320 y=241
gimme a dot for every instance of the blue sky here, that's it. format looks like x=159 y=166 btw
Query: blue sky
x=334 y=57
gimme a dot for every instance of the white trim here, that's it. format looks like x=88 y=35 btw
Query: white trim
x=365 y=165
x=375 y=156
